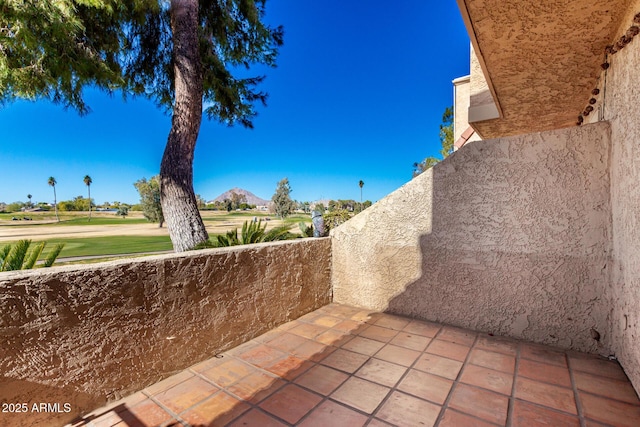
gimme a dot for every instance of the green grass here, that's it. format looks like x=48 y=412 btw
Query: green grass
x=101 y=221
x=107 y=245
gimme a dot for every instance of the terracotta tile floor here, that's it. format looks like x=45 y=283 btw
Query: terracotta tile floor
x=345 y=366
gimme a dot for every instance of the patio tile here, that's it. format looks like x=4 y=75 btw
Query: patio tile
x=606 y=387
x=490 y=359
x=186 y=394
x=340 y=310
x=497 y=344
x=448 y=349
x=270 y=335
x=411 y=341
x=209 y=363
x=378 y=333
x=378 y=423
x=426 y=386
x=438 y=365
x=543 y=354
x=457 y=335
x=609 y=411
x=546 y=394
x=350 y=326
x=289 y=367
x=526 y=414
x=313 y=350
x=308 y=330
x=333 y=414
x=365 y=316
x=243 y=348
x=143 y=413
x=352 y=393
x=311 y=316
x=256 y=387
x=287 y=326
x=322 y=379
x=333 y=337
x=219 y=409
x=425 y=329
x=291 y=403
x=399 y=355
x=392 y=322
x=345 y=360
x=363 y=346
x=597 y=366
x=480 y=403
x=169 y=382
x=402 y=409
x=255 y=417
x=544 y=372
x=286 y=342
x=328 y=321
x=490 y=379
x=228 y=372
x=453 y=418
x=262 y=356
x=381 y=372
x=332 y=368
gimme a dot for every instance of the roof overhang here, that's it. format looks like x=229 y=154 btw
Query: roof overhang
x=540 y=60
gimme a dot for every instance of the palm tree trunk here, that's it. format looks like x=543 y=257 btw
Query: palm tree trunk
x=177 y=197
x=89 y=190
x=55 y=203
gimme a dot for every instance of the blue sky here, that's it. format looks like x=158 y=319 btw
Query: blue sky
x=358 y=94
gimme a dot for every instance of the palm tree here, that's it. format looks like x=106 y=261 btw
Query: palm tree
x=361 y=184
x=87 y=182
x=29 y=196
x=52 y=182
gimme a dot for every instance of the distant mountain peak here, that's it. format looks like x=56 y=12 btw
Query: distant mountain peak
x=252 y=199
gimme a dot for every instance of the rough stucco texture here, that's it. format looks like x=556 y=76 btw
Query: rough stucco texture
x=543 y=58
x=96 y=333
x=622 y=97
x=508 y=236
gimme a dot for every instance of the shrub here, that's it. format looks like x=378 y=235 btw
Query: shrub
x=19 y=257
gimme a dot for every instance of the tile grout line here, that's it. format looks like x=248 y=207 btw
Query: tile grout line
x=175 y=416
x=512 y=397
x=576 y=395
x=402 y=377
x=456 y=381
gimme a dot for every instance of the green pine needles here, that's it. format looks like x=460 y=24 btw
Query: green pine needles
x=23 y=256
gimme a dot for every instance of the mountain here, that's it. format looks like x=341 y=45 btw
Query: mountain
x=252 y=199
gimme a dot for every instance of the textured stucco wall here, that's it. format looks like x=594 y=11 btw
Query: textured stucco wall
x=479 y=92
x=461 y=92
x=509 y=236
x=620 y=100
x=542 y=58
x=89 y=334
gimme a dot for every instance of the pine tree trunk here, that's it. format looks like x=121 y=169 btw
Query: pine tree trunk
x=176 y=170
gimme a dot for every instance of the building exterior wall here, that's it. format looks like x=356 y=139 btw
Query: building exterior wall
x=461 y=99
x=619 y=99
x=461 y=93
x=90 y=334
x=509 y=236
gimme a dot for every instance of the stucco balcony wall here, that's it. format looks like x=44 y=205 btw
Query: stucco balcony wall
x=618 y=104
x=510 y=236
x=90 y=334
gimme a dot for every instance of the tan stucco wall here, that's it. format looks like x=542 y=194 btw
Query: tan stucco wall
x=479 y=92
x=461 y=93
x=85 y=335
x=620 y=98
x=509 y=236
